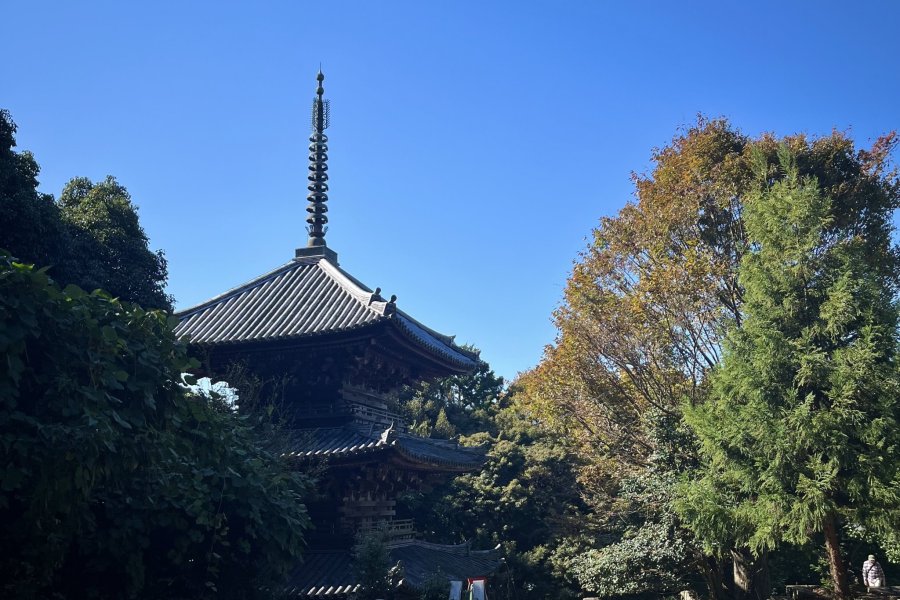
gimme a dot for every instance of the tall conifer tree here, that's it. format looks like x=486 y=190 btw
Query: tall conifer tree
x=801 y=432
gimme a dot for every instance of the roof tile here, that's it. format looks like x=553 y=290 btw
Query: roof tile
x=305 y=297
x=346 y=441
x=420 y=560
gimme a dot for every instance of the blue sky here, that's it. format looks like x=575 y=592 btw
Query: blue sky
x=474 y=145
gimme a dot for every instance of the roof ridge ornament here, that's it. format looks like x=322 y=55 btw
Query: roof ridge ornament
x=388 y=435
x=317 y=210
x=391 y=307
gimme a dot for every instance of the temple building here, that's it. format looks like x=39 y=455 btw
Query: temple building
x=337 y=352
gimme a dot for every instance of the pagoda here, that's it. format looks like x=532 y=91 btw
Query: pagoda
x=339 y=353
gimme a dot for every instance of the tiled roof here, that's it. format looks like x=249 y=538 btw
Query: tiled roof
x=440 y=452
x=421 y=560
x=332 y=574
x=305 y=297
x=350 y=441
x=324 y=574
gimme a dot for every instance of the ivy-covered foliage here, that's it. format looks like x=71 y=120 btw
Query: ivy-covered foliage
x=115 y=480
x=91 y=237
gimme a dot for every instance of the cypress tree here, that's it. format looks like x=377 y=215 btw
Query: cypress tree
x=801 y=433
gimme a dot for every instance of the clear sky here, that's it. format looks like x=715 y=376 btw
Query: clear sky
x=474 y=145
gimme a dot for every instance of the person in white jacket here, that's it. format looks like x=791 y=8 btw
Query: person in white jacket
x=872 y=573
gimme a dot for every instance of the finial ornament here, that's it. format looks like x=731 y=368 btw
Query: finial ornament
x=318 y=168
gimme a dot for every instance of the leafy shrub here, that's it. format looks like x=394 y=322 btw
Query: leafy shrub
x=115 y=480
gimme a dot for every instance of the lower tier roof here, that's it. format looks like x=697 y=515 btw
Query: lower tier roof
x=332 y=573
x=352 y=442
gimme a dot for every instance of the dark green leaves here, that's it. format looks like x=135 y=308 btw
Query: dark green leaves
x=91 y=237
x=803 y=427
x=115 y=481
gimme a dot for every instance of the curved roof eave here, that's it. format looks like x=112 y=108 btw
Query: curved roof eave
x=301 y=299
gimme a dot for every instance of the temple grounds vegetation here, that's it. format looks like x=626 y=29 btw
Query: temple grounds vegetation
x=90 y=237
x=752 y=288
x=116 y=480
x=718 y=412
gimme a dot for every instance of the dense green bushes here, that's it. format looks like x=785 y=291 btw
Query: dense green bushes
x=116 y=481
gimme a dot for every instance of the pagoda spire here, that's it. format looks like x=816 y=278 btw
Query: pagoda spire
x=317 y=218
x=318 y=169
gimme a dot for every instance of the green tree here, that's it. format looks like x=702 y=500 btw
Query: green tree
x=468 y=403
x=30 y=224
x=371 y=561
x=638 y=330
x=436 y=587
x=801 y=431
x=91 y=238
x=109 y=249
x=115 y=480
x=442 y=426
x=525 y=498
x=636 y=544
x=646 y=307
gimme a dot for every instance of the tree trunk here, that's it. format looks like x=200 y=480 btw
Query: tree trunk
x=714 y=577
x=835 y=562
x=751 y=575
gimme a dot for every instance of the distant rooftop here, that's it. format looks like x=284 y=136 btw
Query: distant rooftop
x=332 y=573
